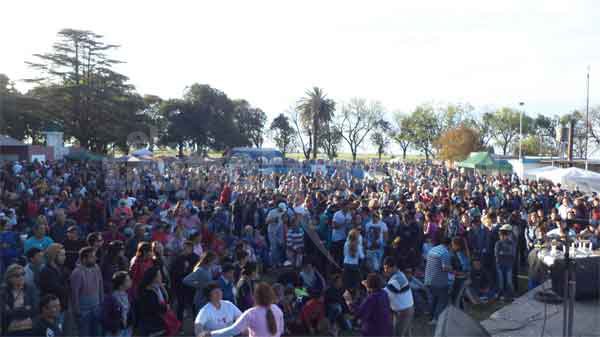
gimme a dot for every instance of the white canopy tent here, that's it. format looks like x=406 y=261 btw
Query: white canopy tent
x=533 y=173
x=142 y=153
x=573 y=178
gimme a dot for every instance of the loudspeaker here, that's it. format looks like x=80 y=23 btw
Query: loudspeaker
x=587 y=277
x=454 y=322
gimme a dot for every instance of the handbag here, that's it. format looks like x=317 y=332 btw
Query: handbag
x=172 y=324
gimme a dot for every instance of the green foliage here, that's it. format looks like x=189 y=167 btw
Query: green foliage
x=207 y=119
x=381 y=142
x=426 y=127
x=283 y=134
x=80 y=90
x=505 y=125
x=19 y=114
x=315 y=110
x=331 y=137
x=402 y=133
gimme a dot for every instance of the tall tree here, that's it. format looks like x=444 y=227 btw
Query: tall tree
x=331 y=137
x=457 y=143
x=403 y=133
x=357 y=119
x=483 y=127
x=21 y=116
x=93 y=102
x=302 y=132
x=282 y=133
x=454 y=114
x=250 y=121
x=380 y=137
x=204 y=119
x=505 y=123
x=315 y=110
x=579 y=132
x=426 y=126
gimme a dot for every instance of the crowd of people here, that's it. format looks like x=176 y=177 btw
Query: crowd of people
x=279 y=254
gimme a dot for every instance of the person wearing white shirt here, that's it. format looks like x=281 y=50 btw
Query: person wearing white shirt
x=564 y=209
x=353 y=254
x=340 y=222
x=400 y=296
x=217 y=313
x=560 y=231
x=376 y=236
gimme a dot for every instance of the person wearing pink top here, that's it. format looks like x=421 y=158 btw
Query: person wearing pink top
x=264 y=319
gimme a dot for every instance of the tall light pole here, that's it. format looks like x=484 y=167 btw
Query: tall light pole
x=521 y=130
x=587 y=116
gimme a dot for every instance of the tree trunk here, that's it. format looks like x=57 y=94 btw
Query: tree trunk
x=315 y=137
x=404 y=153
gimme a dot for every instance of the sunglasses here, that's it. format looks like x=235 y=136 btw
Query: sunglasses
x=21 y=274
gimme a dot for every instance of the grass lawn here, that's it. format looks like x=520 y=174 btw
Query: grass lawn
x=297 y=155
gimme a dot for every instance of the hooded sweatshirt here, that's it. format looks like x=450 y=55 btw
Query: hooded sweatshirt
x=87 y=288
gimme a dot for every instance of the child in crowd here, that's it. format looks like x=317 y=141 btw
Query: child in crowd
x=505 y=252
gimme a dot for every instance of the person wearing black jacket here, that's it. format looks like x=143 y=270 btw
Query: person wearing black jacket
x=72 y=247
x=114 y=261
x=53 y=279
x=152 y=304
x=183 y=266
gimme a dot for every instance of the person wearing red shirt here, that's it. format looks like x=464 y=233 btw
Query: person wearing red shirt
x=313 y=313
x=141 y=262
x=225 y=195
x=113 y=234
x=161 y=234
x=122 y=213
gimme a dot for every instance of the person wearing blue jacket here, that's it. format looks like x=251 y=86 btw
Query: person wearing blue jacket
x=201 y=277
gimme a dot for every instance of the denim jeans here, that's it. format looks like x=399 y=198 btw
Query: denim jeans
x=335 y=314
x=439 y=300
x=402 y=322
x=121 y=333
x=277 y=252
x=374 y=259
x=505 y=280
x=90 y=322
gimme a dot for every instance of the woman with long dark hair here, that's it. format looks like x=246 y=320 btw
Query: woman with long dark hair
x=140 y=263
x=152 y=304
x=262 y=320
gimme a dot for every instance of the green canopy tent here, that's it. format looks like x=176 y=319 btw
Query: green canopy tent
x=83 y=156
x=483 y=161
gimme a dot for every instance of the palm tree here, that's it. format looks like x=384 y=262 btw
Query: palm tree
x=315 y=109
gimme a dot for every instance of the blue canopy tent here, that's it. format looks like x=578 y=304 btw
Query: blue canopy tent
x=254 y=153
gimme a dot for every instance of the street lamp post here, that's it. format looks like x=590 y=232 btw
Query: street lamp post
x=521 y=104
x=587 y=116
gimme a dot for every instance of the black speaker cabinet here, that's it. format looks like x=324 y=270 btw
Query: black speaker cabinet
x=587 y=277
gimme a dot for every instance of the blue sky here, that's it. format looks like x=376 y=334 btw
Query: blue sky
x=487 y=53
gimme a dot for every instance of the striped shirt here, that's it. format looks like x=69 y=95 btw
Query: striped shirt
x=295 y=238
x=438 y=259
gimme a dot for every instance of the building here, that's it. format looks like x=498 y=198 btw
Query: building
x=13 y=150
